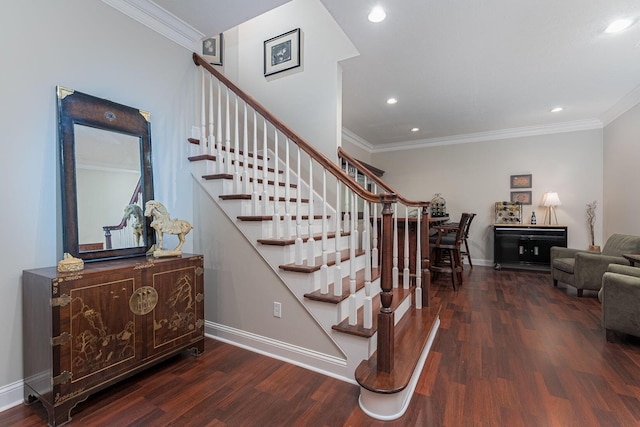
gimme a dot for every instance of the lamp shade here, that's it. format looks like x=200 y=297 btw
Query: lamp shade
x=551 y=199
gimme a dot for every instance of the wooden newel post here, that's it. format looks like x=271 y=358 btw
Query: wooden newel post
x=425 y=261
x=385 y=316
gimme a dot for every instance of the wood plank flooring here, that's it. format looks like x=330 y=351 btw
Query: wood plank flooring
x=511 y=351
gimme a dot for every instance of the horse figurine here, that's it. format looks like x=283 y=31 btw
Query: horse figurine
x=162 y=223
x=138 y=220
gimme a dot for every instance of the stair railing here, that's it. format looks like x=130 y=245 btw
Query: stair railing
x=125 y=239
x=415 y=230
x=277 y=144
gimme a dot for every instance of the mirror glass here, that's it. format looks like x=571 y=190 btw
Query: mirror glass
x=105 y=154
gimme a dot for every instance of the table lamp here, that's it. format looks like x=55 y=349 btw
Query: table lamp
x=550 y=200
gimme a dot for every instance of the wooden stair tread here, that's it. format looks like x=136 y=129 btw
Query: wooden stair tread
x=248 y=197
x=213 y=158
x=333 y=299
x=230 y=176
x=411 y=336
x=399 y=295
x=331 y=260
x=270 y=217
x=287 y=242
x=240 y=152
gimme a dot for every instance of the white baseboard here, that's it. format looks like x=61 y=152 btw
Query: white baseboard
x=309 y=359
x=11 y=395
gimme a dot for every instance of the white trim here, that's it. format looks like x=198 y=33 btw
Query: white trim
x=574 y=126
x=619 y=108
x=289 y=353
x=356 y=140
x=160 y=20
x=11 y=395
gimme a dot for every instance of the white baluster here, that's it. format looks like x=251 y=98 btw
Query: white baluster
x=374 y=249
x=298 y=244
x=395 y=245
x=368 y=300
x=418 y=291
x=346 y=219
x=219 y=159
x=353 y=307
x=277 y=229
x=254 y=184
x=288 y=225
x=227 y=136
x=265 y=171
x=405 y=271
x=311 y=252
x=324 y=269
x=236 y=150
x=337 y=268
x=245 y=154
x=211 y=148
x=203 y=114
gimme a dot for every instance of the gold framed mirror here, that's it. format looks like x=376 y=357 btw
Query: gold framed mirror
x=106 y=176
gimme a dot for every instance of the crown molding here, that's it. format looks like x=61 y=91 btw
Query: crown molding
x=160 y=20
x=574 y=126
x=356 y=140
x=619 y=108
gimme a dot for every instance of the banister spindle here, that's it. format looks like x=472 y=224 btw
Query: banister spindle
x=368 y=299
x=288 y=226
x=346 y=217
x=210 y=140
x=311 y=252
x=265 y=170
x=353 y=242
x=337 y=268
x=405 y=271
x=299 y=251
x=418 y=271
x=219 y=155
x=203 y=115
x=374 y=224
x=227 y=135
x=324 y=269
x=254 y=182
x=245 y=153
x=236 y=149
x=276 y=190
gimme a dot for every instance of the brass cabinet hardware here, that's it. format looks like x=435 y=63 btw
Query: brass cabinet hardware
x=61 y=301
x=61 y=339
x=143 y=300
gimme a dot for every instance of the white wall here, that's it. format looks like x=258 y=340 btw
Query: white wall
x=88 y=46
x=308 y=98
x=622 y=174
x=472 y=177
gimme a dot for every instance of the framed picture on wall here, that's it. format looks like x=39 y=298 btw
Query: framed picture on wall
x=282 y=52
x=521 y=181
x=212 y=49
x=522 y=197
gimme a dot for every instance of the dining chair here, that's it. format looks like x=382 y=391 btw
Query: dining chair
x=446 y=255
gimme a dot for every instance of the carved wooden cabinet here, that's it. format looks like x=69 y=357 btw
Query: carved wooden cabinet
x=86 y=330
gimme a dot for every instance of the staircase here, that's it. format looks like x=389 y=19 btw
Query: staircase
x=332 y=242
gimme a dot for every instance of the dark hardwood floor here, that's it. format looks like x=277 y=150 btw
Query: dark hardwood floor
x=511 y=351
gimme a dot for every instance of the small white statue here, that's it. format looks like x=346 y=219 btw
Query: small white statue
x=69 y=264
x=138 y=220
x=162 y=223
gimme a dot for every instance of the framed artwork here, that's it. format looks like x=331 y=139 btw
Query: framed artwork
x=522 y=197
x=282 y=52
x=521 y=181
x=212 y=49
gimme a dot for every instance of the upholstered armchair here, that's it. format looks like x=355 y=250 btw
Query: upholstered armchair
x=583 y=269
x=620 y=296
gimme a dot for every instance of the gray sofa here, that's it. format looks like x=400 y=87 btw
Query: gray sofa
x=583 y=269
x=620 y=297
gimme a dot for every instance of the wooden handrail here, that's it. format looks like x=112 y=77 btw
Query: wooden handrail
x=379 y=182
x=323 y=160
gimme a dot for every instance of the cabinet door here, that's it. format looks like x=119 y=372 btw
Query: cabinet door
x=178 y=317
x=97 y=335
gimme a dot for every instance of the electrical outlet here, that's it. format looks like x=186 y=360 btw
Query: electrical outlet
x=277 y=309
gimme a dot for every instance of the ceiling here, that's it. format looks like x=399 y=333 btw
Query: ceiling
x=464 y=69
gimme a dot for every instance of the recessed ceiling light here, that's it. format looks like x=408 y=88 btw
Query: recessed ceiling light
x=392 y=101
x=556 y=109
x=619 y=25
x=377 y=14
x=415 y=129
